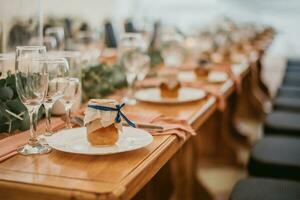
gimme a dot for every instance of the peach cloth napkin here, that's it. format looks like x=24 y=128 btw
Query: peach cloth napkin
x=10 y=144
x=172 y=126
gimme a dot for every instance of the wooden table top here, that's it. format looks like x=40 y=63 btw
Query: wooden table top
x=112 y=176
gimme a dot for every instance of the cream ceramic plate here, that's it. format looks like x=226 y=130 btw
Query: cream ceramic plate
x=217 y=77
x=75 y=141
x=186 y=94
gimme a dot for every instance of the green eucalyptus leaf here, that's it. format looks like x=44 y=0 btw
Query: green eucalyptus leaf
x=25 y=124
x=15 y=125
x=16 y=106
x=2 y=82
x=10 y=81
x=6 y=93
x=3 y=108
x=3 y=128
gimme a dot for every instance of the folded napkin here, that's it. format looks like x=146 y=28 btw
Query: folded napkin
x=10 y=144
x=210 y=89
x=172 y=126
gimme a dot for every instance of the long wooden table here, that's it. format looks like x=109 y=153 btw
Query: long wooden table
x=61 y=175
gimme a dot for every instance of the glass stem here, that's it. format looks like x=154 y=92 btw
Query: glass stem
x=68 y=116
x=48 y=119
x=130 y=91
x=33 y=124
x=130 y=81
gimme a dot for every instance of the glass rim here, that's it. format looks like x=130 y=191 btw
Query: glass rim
x=51 y=60
x=30 y=47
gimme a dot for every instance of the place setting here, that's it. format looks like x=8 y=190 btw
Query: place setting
x=169 y=90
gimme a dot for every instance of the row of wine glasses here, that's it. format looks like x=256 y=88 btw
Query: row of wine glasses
x=132 y=54
x=41 y=79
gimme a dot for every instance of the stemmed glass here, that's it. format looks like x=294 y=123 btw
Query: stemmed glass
x=171 y=43
x=31 y=86
x=58 y=69
x=132 y=54
x=70 y=95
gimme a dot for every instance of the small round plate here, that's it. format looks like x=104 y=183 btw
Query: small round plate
x=75 y=141
x=186 y=94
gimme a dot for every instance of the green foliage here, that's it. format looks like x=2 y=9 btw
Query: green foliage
x=101 y=80
x=13 y=114
x=155 y=57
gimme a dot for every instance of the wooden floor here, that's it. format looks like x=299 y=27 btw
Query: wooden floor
x=219 y=178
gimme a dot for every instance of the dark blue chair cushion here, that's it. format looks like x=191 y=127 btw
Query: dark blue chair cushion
x=281 y=122
x=285 y=91
x=291 y=79
x=287 y=104
x=265 y=189
x=276 y=157
x=293 y=62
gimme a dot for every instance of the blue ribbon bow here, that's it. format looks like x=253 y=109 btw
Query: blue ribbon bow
x=117 y=109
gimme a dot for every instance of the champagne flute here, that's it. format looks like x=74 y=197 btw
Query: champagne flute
x=71 y=92
x=171 y=43
x=31 y=86
x=58 y=69
x=132 y=53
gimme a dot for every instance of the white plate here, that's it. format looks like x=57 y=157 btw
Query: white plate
x=75 y=141
x=217 y=77
x=185 y=94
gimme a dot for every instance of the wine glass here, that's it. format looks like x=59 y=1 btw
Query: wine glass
x=70 y=95
x=132 y=54
x=31 y=86
x=171 y=43
x=74 y=59
x=58 y=69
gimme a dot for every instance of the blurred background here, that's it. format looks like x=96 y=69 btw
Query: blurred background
x=93 y=28
x=189 y=16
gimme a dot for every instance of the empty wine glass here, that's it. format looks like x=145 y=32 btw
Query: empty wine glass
x=171 y=43
x=70 y=95
x=74 y=59
x=57 y=69
x=132 y=54
x=31 y=86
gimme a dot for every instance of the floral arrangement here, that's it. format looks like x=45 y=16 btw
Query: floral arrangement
x=13 y=114
x=101 y=80
x=97 y=82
